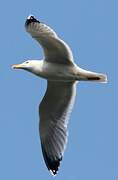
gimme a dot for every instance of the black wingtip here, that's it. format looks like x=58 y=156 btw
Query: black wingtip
x=52 y=165
x=31 y=19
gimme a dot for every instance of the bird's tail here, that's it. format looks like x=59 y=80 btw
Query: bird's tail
x=91 y=76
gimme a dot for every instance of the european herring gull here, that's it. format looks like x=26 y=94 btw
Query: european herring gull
x=62 y=73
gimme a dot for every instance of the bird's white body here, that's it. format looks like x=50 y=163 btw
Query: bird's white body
x=61 y=73
x=55 y=72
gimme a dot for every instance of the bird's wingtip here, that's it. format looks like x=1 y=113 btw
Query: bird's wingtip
x=31 y=18
x=53 y=173
x=53 y=167
x=52 y=164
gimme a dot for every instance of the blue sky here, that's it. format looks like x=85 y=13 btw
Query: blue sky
x=90 y=28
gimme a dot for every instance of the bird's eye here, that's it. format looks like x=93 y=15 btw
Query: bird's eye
x=26 y=62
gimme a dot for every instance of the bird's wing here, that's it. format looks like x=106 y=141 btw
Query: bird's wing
x=54 y=112
x=55 y=49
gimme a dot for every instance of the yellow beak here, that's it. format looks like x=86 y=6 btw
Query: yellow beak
x=17 y=66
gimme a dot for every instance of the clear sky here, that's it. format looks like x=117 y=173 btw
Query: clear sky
x=90 y=27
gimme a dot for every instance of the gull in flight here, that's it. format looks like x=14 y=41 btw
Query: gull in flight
x=61 y=73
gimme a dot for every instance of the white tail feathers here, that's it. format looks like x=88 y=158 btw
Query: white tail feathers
x=91 y=76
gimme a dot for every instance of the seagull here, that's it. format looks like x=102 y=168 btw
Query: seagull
x=62 y=74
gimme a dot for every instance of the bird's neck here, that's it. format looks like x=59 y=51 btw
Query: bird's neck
x=37 y=67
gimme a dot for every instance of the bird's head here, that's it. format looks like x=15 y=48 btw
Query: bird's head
x=33 y=66
x=25 y=65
